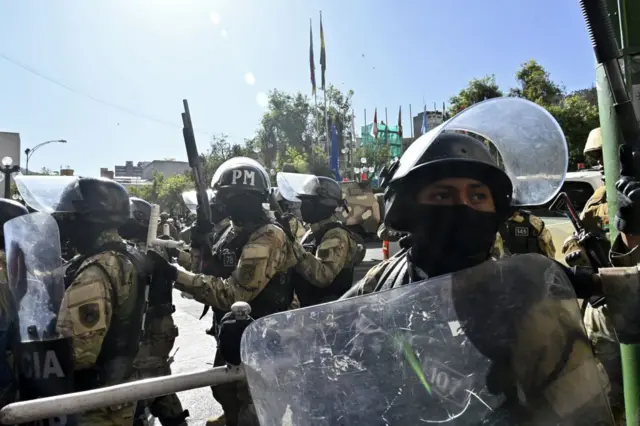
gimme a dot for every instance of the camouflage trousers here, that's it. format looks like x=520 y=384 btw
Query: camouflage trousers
x=607 y=350
x=153 y=361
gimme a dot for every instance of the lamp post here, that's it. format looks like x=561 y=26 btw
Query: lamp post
x=29 y=151
x=7 y=169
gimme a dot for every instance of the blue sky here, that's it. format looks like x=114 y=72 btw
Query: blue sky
x=147 y=55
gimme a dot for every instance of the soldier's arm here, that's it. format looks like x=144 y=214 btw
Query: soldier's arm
x=336 y=250
x=185 y=258
x=545 y=239
x=266 y=253
x=85 y=313
x=368 y=283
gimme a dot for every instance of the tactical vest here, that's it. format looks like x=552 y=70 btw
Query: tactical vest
x=120 y=345
x=520 y=238
x=275 y=297
x=309 y=294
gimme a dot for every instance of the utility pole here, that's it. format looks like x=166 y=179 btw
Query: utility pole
x=625 y=18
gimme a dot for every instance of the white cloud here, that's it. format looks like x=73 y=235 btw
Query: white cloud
x=262 y=99
x=224 y=33
x=215 y=18
x=250 y=79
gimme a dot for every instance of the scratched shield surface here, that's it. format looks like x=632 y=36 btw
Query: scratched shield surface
x=456 y=349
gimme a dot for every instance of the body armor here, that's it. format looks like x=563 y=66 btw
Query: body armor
x=309 y=294
x=520 y=238
x=120 y=346
x=276 y=296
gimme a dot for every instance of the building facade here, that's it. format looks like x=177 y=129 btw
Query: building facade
x=434 y=119
x=165 y=167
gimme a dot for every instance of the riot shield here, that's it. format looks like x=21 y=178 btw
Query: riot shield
x=532 y=147
x=42 y=193
x=190 y=199
x=34 y=266
x=291 y=185
x=499 y=344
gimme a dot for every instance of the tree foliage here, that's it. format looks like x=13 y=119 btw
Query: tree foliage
x=476 y=91
x=576 y=112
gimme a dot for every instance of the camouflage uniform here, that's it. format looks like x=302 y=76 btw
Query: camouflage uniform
x=87 y=312
x=8 y=392
x=526 y=233
x=336 y=250
x=387 y=234
x=298 y=227
x=267 y=253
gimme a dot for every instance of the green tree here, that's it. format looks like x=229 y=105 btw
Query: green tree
x=292 y=122
x=170 y=193
x=577 y=117
x=221 y=150
x=534 y=84
x=476 y=91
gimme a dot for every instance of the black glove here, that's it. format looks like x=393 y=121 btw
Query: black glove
x=627 y=219
x=229 y=337
x=584 y=280
x=161 y=266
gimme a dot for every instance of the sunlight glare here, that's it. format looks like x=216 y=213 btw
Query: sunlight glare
x=250 y=79
x=215 y=18
x=224 y=33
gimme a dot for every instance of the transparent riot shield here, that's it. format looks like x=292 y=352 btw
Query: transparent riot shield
x=291 y=185
x=499 y=344
x=34 y=266
x=190 y=199
x=532 y=147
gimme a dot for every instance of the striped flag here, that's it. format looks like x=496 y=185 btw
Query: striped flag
x=312 y=64
x=374 y=127
x=323 y=53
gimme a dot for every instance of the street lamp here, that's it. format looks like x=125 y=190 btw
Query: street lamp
x=29 y=151
x=7 y=169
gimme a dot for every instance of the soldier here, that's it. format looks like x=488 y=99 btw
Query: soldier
x=599 y=326
x=327 y=251
x=250 y=262
x=160 y=331
x=291 y=214
x=104 y=300
x=526 y=233
x=9 y=209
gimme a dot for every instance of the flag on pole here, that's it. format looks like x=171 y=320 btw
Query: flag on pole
x=400 y=122
x=374 y=127
x=323 y=53
x=334 y=158
x=444 y=114
x=353 y=128
x=312 y=63
x=425 y=125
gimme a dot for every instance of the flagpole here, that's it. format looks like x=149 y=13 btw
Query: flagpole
x=411 y=117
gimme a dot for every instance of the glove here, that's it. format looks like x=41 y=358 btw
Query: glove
x=162 y=266
x=584 y=280
x=230 y=335
x=627 y=219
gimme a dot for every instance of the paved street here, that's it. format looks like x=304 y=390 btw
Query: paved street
x=197 y=349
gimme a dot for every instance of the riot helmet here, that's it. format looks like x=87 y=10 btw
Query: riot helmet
x=137 y=226
x=218 y=210
x=319 y=196
x=451 y=154
x=242 y=185
x=593 y=147
x=95 y=200
x=9 y=209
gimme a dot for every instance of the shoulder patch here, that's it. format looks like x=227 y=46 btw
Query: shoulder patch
x=89 y=314
x=536 y=222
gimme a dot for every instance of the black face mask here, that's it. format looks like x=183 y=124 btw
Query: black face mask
x=451 y=238
x=313 y=212
x=244 y=209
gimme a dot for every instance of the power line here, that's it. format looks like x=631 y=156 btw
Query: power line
x=93 y=98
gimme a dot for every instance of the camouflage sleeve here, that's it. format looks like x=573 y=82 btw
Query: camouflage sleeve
x=87 y=306
x=185 y=258
x=267 y=253
x=195 y=260
x=545 y=239
x=497 y=251
x=336 y=250
x=544 y=336
x=369 y=282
